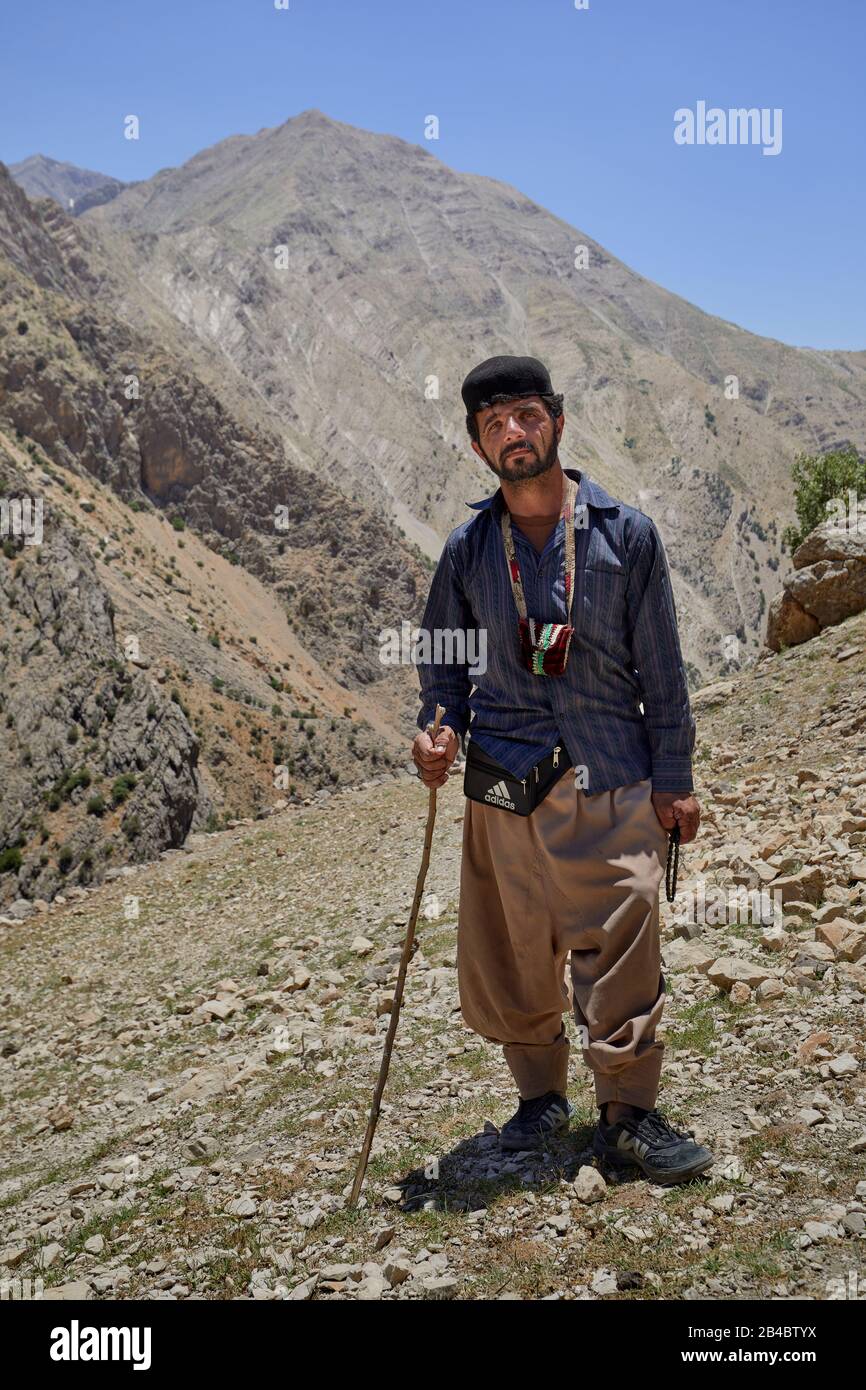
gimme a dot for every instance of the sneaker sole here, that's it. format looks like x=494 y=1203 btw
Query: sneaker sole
x=615 y=1158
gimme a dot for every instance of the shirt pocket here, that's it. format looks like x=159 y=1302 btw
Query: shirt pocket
x=604 y=603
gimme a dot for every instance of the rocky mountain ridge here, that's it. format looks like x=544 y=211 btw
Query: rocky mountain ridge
x=74 y=189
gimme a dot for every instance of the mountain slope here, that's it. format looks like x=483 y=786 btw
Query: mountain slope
x=263 y=616
x=107 y=400
x=97 y=765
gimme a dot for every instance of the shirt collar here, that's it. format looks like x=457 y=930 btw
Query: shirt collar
x=588 y=494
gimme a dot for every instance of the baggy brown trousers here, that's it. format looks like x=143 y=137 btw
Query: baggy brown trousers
x=581 y=875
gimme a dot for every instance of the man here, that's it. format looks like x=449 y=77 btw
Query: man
x=577 y=879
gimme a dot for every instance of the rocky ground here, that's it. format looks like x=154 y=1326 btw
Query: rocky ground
x=188 y=1053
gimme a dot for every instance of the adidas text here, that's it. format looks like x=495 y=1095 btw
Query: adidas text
x=498 y=796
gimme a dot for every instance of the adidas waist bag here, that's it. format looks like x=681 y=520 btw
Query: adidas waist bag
x=487 y=781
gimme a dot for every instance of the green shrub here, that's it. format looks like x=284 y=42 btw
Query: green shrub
x=96 y=805
x=81 y=778
x=818 y=478
x=10 y=861
x=122 y=787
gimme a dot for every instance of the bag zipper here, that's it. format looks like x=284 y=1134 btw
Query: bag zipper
x=556 y=753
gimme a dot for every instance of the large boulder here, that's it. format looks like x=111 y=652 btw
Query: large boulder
x=828 y=585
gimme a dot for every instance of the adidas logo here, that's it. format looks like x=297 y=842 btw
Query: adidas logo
x=631 y=1142
x=498 y=796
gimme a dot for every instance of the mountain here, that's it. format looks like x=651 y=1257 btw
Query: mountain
x=73 y=188
x=402 y=273
x=265 y=635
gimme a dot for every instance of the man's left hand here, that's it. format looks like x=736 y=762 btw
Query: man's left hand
x=682 y=807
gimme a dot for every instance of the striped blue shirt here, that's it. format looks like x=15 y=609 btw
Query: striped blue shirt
x=621 y=708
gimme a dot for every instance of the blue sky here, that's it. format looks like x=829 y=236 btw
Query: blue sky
x=573 y=107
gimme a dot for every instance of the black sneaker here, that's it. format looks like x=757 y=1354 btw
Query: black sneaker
x=535 y=1121
x=648 y=1142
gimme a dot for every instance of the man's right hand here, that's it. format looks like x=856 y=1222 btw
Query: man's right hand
x=433 y=760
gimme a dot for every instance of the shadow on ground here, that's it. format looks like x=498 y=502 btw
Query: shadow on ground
x=476 y=1171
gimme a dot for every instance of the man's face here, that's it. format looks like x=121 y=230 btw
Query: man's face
x=518 y=439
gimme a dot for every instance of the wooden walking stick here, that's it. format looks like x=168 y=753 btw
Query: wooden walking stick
x=401 y=980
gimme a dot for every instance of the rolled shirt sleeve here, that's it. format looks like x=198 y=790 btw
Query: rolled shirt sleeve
x=658 y=664
x=447 y=682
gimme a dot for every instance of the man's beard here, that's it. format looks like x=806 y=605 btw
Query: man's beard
x=518 y=468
